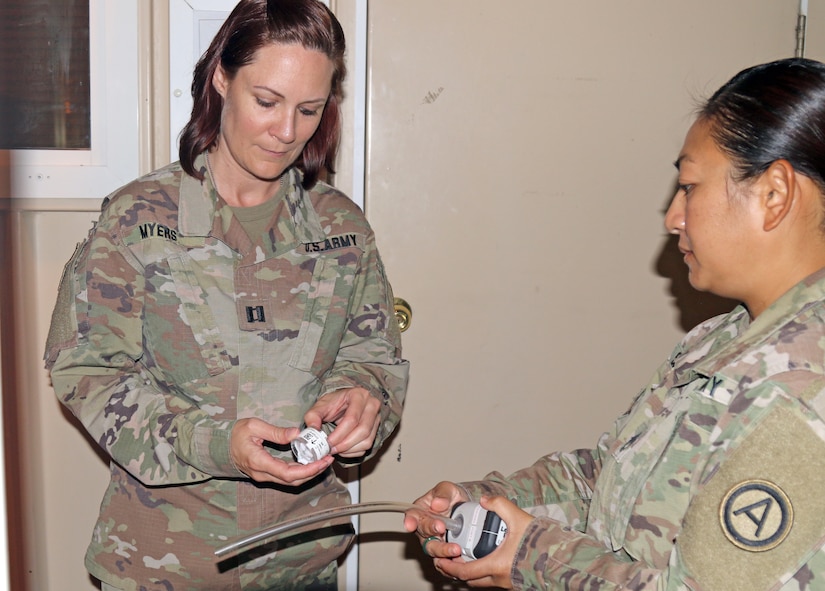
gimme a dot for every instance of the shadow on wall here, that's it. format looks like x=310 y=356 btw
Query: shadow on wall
x=693 y=306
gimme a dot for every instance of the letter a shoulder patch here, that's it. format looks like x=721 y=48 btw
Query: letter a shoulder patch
x=760 y=517
x=756 y=515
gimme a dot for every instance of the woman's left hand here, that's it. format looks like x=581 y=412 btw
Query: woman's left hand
x=246 y=448
x=494 y=569
x=356 y=416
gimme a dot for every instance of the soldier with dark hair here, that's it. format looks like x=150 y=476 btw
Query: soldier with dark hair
x=712 y=480
x=219 y=305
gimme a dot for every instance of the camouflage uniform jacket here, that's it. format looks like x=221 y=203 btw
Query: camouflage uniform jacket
x=711 y=481
x=171 y=323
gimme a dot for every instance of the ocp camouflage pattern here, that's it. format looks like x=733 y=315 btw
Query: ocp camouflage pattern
x=171 y=323
x=712 y=480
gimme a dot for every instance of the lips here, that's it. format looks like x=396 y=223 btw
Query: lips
x=276 y=153
x=686 y=253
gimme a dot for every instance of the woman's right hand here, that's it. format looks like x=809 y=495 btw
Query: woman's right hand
x=246 y=448
x=439 y=500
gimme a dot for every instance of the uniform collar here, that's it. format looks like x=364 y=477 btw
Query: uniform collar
x=199 y=203
x=748 y=335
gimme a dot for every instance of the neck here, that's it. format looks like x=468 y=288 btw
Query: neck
x=781 y=273
x=239 y=190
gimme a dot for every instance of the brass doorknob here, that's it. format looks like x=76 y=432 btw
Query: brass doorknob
x=403 y=314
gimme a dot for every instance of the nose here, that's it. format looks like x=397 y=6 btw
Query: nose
x=283 y=127
x=675 y=215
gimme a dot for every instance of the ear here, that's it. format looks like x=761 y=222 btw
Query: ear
x=777 y=191
x=220 y=81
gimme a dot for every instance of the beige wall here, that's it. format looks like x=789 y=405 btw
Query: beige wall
x=54 y=475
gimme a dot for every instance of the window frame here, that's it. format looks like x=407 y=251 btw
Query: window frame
x=192 y=25
x=113 y=159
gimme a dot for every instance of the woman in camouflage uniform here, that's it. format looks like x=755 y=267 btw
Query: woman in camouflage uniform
x=221 y=303
x=713 y=479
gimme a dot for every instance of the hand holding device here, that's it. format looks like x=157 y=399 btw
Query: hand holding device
x=479 y=531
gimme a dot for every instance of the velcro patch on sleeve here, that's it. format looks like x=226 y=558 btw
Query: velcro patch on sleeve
x=760 y=516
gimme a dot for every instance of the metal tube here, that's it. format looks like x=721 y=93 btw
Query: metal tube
x=325 y=515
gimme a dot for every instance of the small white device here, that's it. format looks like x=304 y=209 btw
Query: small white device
x=310 y=446
x=480 y=531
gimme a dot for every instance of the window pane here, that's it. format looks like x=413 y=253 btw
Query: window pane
x=44 y=74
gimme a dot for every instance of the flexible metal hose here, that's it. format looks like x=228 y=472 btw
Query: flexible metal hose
x=453 y=525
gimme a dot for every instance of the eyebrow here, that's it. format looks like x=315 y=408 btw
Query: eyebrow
x=278 y=94
x=678 y=162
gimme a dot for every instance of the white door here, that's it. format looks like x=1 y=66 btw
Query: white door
x=519 y=163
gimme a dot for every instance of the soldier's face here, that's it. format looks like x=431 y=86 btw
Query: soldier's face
x=714 y=219
x=272 y=107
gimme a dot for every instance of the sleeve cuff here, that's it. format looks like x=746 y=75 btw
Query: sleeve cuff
x=206 y=447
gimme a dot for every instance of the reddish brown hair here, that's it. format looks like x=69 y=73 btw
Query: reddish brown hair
x=253 y=24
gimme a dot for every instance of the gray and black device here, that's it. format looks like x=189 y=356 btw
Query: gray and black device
x=480 y=531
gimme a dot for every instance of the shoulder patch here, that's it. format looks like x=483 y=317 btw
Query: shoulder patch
x=759 y=518
x=756 y=515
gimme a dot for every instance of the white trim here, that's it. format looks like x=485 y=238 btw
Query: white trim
x=113 y=159
x=192 y=25
x=359 y=103
x=359 y=118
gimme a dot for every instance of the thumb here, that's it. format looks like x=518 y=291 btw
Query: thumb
x=313 y=418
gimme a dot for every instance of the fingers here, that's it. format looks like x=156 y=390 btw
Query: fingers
x=436 y=547
x=333 y=406
x=356 y=414
x=259 y=430
x=490 y=571
x=439 y=501
x=473 y=573
x=424 y=524
x=269 y=469
x=360 y=440
x=410 y=521
x=515 y=518
x=445 y=495
x=250 y=457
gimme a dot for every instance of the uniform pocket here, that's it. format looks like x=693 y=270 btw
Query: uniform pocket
x=185 y=338
x=325 y=317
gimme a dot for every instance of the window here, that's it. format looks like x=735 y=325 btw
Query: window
x=44 y=74
x=69 y=96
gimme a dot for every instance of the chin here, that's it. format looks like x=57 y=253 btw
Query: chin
x=270 y=174
x=696 y=282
